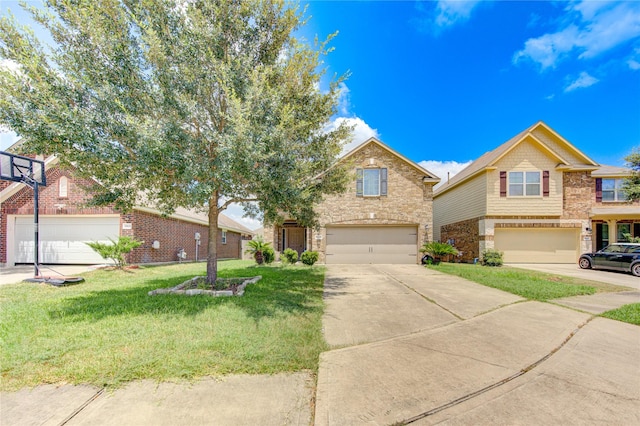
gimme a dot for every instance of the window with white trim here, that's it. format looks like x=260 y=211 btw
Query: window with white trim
x=63 y=187
x=525 y=184
x=224 y=237
x=612 y=190
x=371 y=182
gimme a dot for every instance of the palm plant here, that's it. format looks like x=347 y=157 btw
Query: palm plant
x=437 y=249
x=257 y=248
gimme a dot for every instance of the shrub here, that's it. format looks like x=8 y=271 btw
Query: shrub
x=257 y=248
x=289 y=255
x=116 y=250
x=437 y=249
x=268 y=255
x=309 y=257
x=492 y=257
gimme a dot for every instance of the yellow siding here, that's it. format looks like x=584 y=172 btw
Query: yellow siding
x=527 y=156
x=552 y=141
x=466 y=201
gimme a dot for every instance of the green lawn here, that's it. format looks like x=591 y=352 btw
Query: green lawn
x=107 y=330
x=529 y=284
x=627 y=313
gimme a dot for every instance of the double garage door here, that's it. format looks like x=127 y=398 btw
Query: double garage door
x=538 y=245
x=380 y=244
x=62 y=239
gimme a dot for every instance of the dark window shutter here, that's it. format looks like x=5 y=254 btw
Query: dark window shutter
x=545 y=183
x=359 y=176
x=383 y=181
x=599 y=190
x=503 y=184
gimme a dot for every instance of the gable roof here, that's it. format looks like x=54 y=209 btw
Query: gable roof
x=489 y=159
x=429 y=176
x=224 y=222
x=612 y=172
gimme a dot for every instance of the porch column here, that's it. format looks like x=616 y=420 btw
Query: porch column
x=613 y=231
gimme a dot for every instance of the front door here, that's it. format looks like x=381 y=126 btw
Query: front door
x=295 y=239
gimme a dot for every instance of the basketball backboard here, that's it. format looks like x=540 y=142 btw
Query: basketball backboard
x=17 y=168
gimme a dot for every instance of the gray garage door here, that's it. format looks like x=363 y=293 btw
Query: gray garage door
x=522 y=245
x=366 y=244
x=62 y=239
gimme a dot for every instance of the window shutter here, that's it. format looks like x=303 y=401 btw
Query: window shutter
x=599 y=190
x=359 y=175
x=545 y=183
x=383 y=181
x=503 y=184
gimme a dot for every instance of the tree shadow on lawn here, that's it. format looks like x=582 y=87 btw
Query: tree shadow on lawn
x=280 y=291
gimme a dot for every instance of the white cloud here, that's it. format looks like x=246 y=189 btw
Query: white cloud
x=583 y=80
x=633 y=64
x=361 y=131
x=591 y=29
x=452 y=12
x=441 y=168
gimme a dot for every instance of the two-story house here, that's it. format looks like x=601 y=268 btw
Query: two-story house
x=536 y=198
x=385 y=215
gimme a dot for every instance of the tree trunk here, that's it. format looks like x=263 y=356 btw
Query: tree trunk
x=212 y=243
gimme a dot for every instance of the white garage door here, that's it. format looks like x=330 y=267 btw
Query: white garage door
x=382 y=244
x=62 y=239
x=538 y=245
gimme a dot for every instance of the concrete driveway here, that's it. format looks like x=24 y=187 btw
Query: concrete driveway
x=416 y=346
x=573 y=270
x=16 y=274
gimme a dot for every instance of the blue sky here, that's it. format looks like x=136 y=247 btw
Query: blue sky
x=444 y=82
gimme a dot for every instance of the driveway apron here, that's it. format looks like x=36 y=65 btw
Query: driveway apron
x=422 y=345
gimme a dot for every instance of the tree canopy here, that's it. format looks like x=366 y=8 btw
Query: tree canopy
x=179 y=103
x=631 y=185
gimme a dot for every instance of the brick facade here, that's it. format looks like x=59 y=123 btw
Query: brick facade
x=409 y=200
x=172 y=234
x=578 y=195
x=465 y=237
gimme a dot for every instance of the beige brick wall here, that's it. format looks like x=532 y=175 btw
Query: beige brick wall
x=409 y=201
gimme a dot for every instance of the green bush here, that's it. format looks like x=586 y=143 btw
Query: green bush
x=116 y=250
x=289 y=255
x=309 y=257
x=268 y=255
x=257 y=249
x=492 y=257
x=437 y=249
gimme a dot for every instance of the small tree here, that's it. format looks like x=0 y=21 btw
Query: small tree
x=117 y=250
x=437 y=249
x=631 y=185
x=257 y=249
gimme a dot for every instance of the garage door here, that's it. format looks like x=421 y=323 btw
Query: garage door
x=382 y=244
x=62 y=238
x=538 y=245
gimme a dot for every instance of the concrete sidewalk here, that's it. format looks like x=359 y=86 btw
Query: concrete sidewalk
x=16 y=274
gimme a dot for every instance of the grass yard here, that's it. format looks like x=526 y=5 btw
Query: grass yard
x=627 y=313
x=107 y=330
x=530 y=284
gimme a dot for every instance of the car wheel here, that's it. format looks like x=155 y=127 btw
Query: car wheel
x=584 y=263
x=635 y=269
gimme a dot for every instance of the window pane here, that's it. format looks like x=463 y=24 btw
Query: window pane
x=515 y=190
x=533 y=189
x=371 y=181
x=608 y=195
x=623 y=228
x=608 y=184
x=533 y=177
x=516 y=177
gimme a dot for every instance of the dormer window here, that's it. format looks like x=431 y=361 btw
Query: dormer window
x=371 y=182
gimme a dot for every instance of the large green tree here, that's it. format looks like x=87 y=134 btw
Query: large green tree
x=631 y=185
x=178 y=103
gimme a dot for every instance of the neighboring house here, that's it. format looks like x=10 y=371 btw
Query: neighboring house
x=385 y=215
x=536 y=198
x=66 y=224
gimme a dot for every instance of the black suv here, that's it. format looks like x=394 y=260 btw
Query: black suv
x=619 y=257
